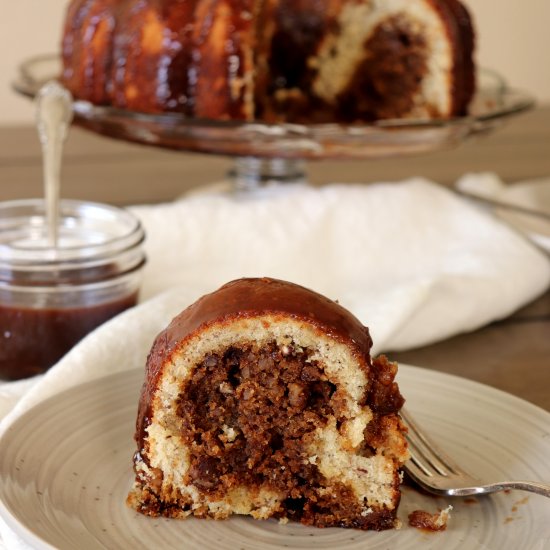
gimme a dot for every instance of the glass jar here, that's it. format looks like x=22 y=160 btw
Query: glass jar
x=52 y=297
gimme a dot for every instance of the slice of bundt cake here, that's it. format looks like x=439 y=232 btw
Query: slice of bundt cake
x=262 y=399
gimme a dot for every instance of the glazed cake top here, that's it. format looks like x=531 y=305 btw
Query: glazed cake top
x=251 y=297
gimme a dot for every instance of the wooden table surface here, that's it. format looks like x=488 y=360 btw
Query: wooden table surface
x=512 y=354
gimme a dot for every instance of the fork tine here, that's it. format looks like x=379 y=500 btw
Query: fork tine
x=428 y=450
x=416 y=469
x=424 y=462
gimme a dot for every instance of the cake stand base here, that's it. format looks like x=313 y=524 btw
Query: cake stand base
x=252 y=173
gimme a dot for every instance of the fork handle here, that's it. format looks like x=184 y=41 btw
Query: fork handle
x=531 y=486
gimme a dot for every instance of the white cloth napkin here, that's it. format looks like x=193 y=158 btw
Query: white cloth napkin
x=412 y=260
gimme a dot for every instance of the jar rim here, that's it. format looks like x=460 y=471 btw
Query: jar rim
x=89 y=231
x=30 y=264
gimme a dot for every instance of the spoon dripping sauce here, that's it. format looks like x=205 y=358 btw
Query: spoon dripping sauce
x=54 y=115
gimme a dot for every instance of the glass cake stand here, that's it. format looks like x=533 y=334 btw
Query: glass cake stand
x=276 y=153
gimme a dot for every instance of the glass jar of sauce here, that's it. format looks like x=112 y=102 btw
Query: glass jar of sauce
x=51 y=297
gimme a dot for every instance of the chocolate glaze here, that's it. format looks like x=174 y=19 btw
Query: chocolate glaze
x=249 y=298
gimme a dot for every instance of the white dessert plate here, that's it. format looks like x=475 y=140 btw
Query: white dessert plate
x=65 y=468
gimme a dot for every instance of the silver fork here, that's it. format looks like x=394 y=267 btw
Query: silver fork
x=433 y=470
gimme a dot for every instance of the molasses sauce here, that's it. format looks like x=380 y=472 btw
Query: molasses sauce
x=32 y=340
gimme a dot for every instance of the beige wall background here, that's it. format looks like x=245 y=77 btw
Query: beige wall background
x=513 y=39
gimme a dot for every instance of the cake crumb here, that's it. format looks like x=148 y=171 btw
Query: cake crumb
x=226 y=388
x=229 y=434
x=283 y=521
x=430 y=522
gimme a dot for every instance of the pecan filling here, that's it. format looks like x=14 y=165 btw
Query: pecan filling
x=245 y=414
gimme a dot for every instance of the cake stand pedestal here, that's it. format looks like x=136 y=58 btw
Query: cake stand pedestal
x=250 y=173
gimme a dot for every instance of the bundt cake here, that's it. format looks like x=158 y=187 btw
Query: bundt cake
x=261 y=399
x=272 y=60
